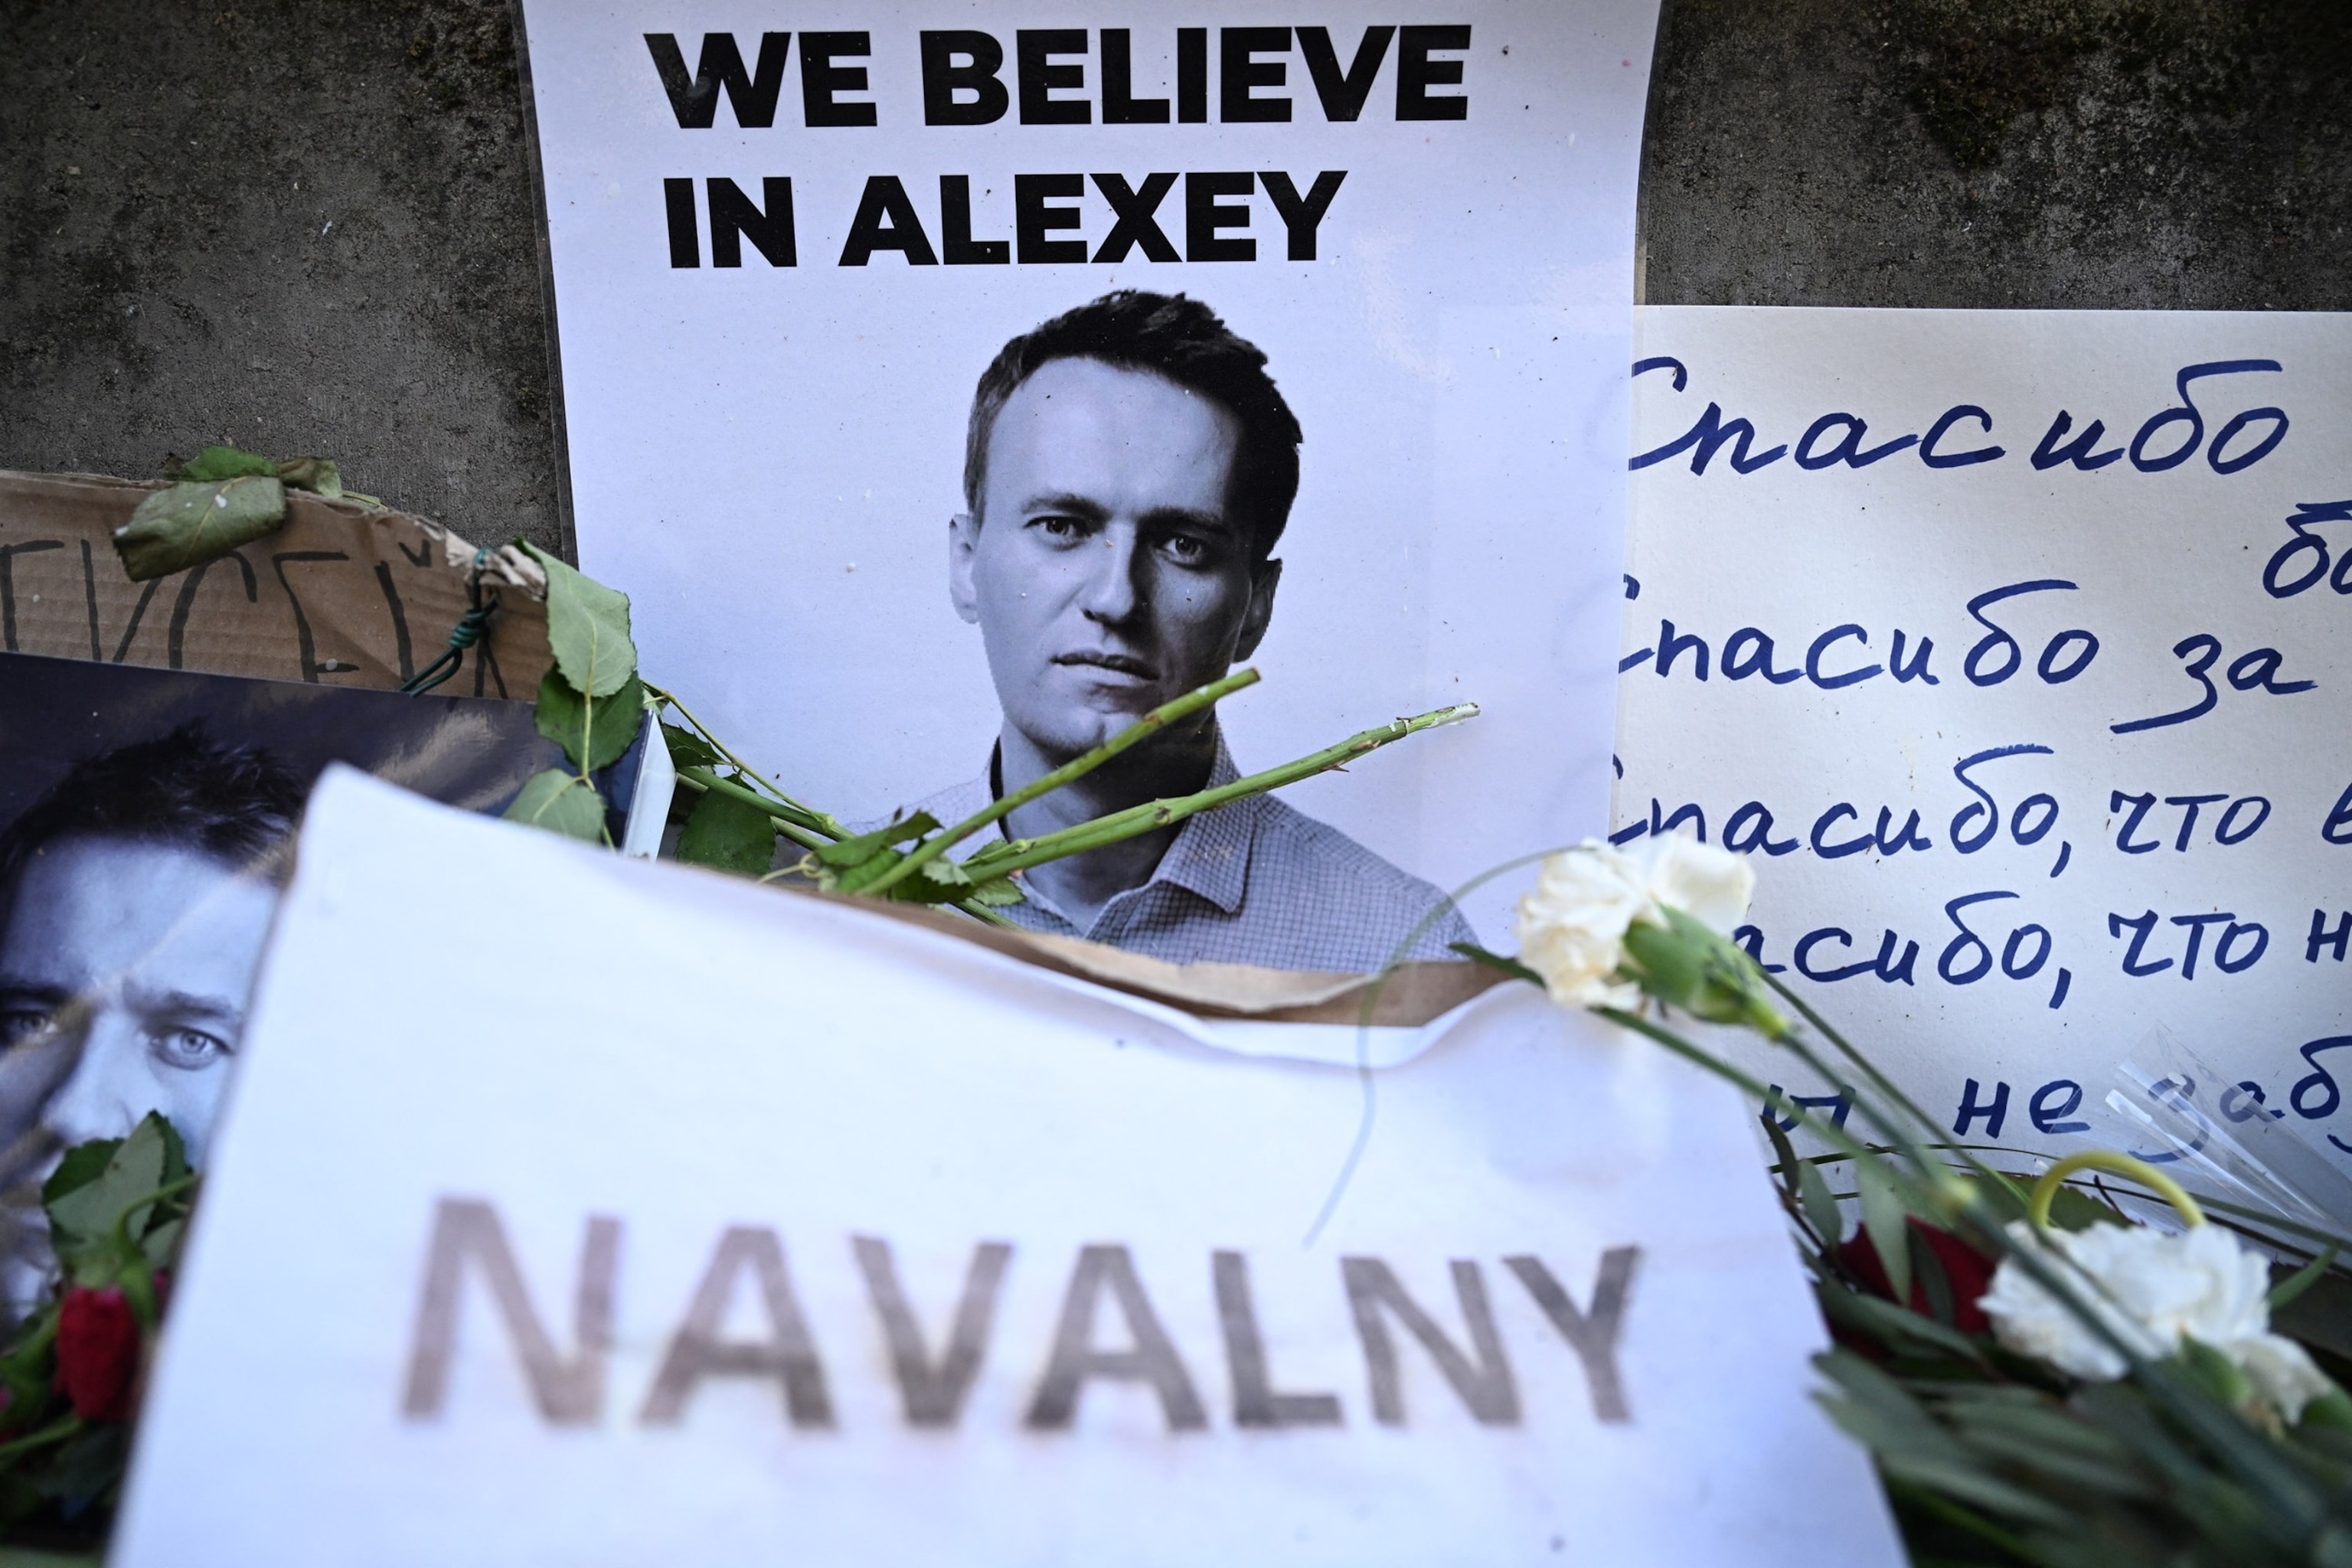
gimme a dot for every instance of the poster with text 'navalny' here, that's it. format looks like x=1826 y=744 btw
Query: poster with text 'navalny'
x=949 y=386
x=2015 y=646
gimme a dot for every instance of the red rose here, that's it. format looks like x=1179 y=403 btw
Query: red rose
x=1969 y=1271
x=97 y=1353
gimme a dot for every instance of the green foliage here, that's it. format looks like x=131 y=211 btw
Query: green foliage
x=587 y=627
x=87 y=1198
x=592 y=703
x=689 y=750
x=319 y=475
x=593 y=735
x=116 y=1209
x=193 y=521
x=1885 y=1219
x=222 y=463
x=561 y=803
x=728 y=834
x=852 y=853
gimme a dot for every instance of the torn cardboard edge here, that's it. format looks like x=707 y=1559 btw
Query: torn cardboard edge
x=1406 y=996
x=341 y=593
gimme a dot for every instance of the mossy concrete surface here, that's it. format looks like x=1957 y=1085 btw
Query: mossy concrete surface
x=310 y=226
x=2089 y=155
x=296 y=226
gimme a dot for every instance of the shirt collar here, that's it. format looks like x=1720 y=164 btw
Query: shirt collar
x=1210 y=855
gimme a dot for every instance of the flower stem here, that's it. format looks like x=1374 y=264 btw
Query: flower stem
x=1142 y=730
x=1003 y=859
x=62 y=1428
x=723 y=750
x=2037 y=1208
x=780 y=811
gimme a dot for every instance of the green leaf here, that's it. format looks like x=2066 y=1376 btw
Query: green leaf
x=728 y=834
x=855 y=851
x=998 y=894
x=689 y=750
x=1879 y=1412
x=2071 y=1209
x=592 y=734
x=1820 y=1207
x=134 y=1169
x=224 y=463
x=1887 y=1222
x=561 y=803
x=2302 y=1279
x=587 y=627
x=319 y=475
x=1510 y=966
x=939 y=881
x=82 y=1164
x=1892 y=1326
x=865 y=873
x=161 y=1240
x=2030 y=1431
x=189 y=524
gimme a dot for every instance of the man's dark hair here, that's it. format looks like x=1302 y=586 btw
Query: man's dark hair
x=1182 y=340
x=236 y=803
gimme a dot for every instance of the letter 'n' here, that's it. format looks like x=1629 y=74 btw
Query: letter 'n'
x=1484 y=1384
x=568 y=1390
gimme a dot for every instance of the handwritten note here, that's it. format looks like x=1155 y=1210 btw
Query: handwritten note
x=2015 y=646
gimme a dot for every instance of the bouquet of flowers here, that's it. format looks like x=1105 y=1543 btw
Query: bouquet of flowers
x=2041 y=1379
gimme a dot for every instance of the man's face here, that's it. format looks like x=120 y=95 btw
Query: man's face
x=123 y=971
x=1106 y=571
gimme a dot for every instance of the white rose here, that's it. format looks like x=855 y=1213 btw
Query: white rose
x=2154 y=1288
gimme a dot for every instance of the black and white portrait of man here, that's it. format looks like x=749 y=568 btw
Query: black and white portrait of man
x=134 y=898
x=1128 y=470
x=147 y=819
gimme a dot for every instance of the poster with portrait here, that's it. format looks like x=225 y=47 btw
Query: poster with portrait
x=947 y=389
x=147 y=819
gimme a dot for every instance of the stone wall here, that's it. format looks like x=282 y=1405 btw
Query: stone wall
x=305 y=225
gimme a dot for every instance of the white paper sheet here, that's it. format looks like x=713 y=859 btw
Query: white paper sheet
x=766 y=457
x=818 y=1075
x=2155 y=834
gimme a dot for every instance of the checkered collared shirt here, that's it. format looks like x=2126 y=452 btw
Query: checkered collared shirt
x=1251 y=882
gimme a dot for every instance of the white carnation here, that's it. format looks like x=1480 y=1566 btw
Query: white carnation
x=1571 y=927
x=1711 y=886
x=2154 y=1290
x=2282 y=1372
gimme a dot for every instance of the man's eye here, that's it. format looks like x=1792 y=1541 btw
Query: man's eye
x=1185 y=550
x=20 y=1026
x=190 y=1049
x=1063 y=529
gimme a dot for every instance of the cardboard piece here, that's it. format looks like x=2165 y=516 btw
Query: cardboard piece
x=344 y=592
x=807 y=1236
